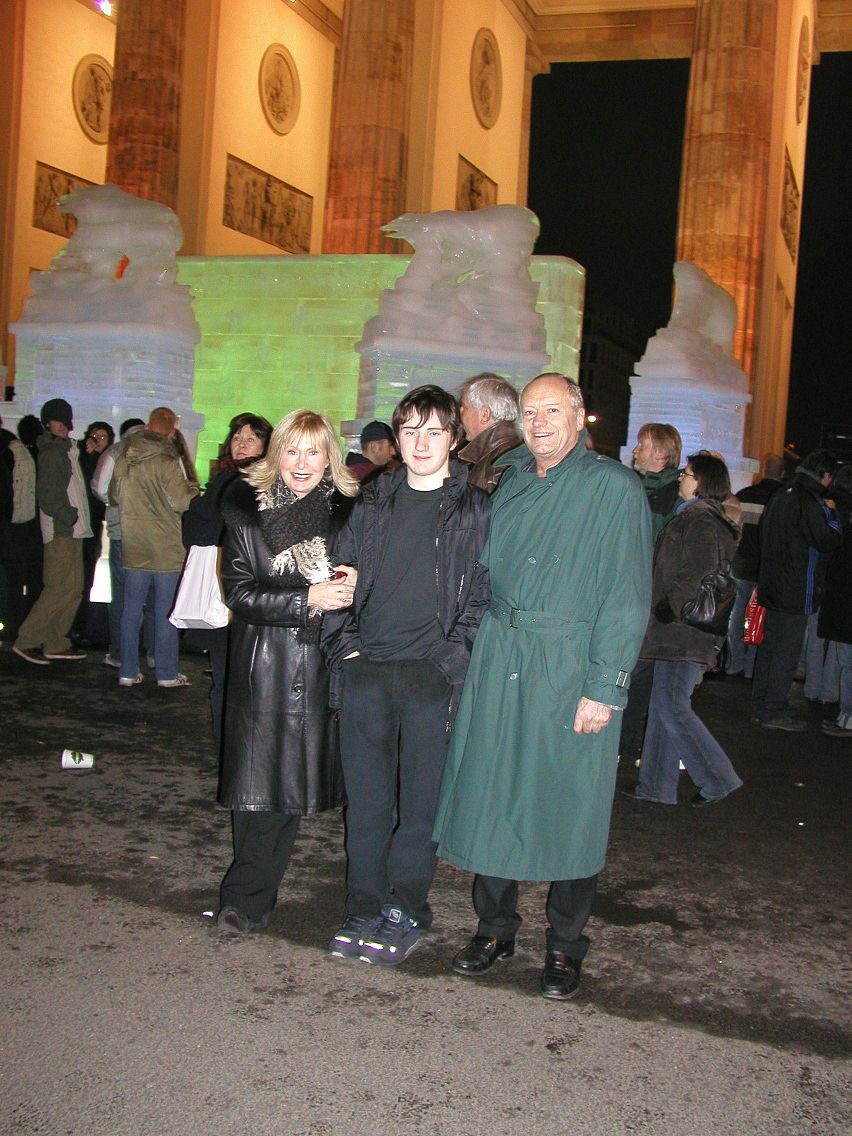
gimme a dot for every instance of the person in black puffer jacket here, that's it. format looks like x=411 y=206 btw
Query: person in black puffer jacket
x=695 y=541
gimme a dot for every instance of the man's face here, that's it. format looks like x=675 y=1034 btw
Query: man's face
x=473 y=420
x=58 y=429
x=379 y=451
x=551 y=424
x=425 y=448
x=646 y=457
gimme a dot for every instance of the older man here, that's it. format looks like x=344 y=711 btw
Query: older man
x=489 y=408
x=529 y=780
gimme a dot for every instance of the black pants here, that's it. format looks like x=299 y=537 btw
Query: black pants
x=263 y=842
x=393 y=743
x=776 y=662
x=569 y=905
x=638 y=700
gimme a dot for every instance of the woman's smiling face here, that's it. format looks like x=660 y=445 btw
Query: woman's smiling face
x=302 y=466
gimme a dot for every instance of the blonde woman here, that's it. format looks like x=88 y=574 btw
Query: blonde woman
x=279 y=756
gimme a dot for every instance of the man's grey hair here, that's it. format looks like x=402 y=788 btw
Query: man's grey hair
x=494 y=393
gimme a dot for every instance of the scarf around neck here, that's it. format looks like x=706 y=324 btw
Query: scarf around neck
x=297 y=531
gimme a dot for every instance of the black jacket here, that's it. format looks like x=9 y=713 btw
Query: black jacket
x=753 y=499
x=280 y=738
x=463 y=589
x=835 y=614
x=796 y=532
x=691 y=545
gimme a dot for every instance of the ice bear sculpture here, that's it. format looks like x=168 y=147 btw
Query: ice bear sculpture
x=467 y=283
x=688 y=375
x=117 y=272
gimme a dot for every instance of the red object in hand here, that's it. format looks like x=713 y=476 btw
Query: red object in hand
x=339 y=576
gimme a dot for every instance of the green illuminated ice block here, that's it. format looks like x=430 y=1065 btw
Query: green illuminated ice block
x=279 y=332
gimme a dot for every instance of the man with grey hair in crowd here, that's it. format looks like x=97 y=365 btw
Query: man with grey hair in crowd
x=489 y=408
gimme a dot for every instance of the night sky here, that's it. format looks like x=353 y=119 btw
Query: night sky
x=604 y=175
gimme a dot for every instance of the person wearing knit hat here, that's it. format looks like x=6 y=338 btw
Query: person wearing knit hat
x=64 y=515
x=378 y=452
x=57 y=410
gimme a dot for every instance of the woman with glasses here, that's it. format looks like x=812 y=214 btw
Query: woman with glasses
x=699 y=537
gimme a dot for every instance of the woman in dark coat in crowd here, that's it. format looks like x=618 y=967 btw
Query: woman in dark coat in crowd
x=693 y=543
x=280 y=759
x=203 y=524
x=99 y=436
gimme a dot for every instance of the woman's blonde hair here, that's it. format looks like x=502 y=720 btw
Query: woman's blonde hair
x=302 y=427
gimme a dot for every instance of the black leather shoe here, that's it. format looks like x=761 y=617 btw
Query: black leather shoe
x=560 y=978
x=481 y=953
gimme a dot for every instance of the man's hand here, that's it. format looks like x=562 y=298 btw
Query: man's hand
x=591 y=717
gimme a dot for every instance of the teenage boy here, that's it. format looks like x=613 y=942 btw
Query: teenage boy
x=399 y=656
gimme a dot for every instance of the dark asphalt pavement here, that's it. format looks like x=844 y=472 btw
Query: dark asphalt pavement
x=715 y=997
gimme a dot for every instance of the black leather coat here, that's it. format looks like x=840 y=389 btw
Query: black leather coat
x=280 y=748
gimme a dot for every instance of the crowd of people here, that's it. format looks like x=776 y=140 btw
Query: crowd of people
x=454 y=633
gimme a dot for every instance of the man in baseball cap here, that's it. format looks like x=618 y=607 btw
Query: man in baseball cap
x=378 y=452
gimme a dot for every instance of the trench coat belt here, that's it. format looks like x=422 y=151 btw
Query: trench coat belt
x=544 y=621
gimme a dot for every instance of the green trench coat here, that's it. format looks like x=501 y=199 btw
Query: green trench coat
x=524 y=797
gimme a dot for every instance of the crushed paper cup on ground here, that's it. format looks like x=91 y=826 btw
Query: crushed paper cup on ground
x=75 y=759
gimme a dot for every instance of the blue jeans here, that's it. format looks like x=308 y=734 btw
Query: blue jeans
x=822 y=669
x=116 y=605
x=136 y=586
x=740 y=655
x=844 y=656
x=675 y=733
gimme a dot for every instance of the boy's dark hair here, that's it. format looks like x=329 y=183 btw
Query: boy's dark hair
x=421 y=402
x=711 y=475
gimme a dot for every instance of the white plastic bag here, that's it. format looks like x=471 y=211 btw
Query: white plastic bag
x=198 y=602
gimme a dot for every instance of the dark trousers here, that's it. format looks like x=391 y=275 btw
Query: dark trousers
x=263 y=842
x=393 y=743
x=569 y=905
x=638 y=700
x=776 y=662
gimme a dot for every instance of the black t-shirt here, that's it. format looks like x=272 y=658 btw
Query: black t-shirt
x=400 y=619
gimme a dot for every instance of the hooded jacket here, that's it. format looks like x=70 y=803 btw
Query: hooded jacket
x=149 y=487
x=797 y=531
x=60 y=491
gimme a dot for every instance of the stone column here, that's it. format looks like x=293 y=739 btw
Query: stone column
x=726 y=153
x=144 y=129
x=369 y=138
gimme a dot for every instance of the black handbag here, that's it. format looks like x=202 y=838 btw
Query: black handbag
x=710 y=609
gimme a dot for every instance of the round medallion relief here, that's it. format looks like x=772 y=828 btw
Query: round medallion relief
x=91 y=92
x=280 y=93
x=486 y=77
